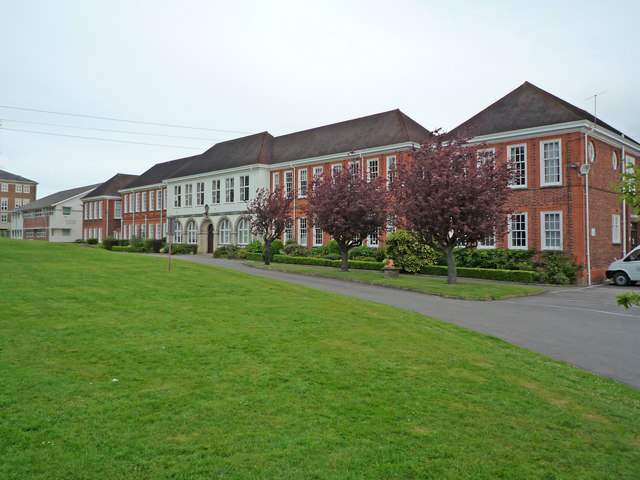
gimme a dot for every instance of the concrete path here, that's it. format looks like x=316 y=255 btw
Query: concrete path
x=579 y=325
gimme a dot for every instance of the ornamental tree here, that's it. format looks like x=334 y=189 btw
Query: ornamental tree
x=268 y=215
x=348 y=207
x=451 y=196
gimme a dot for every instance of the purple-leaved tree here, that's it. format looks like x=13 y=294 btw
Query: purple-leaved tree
x=268 y=215
x=349 y=207
x=451 y=194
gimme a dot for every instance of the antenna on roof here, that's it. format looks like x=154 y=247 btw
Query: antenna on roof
x=595 y=105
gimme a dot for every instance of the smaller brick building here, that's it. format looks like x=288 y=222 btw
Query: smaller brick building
x=102 y=208
x=15 y=191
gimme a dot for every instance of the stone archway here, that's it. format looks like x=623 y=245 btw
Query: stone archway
x=206 y=239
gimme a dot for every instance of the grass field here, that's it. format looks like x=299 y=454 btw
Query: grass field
x=224 y=375
x=466 y=290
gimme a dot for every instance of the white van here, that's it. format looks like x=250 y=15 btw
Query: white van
x=626 y=271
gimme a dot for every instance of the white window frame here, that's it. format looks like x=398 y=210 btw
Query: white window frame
x=510 y=157
x=481 y=155
x=137 y=202
x=26 y=189
x=131 y=198
x=373 y=241
x=371 y=172
x=192 y=233
x=4 y=187
x=100 y=210
x=392 y=174
x=275 y=181
x=158 y=230
x=288 y=231
x=159 y=199
x=199 y=193
x=510 y=245
x=244 y=233
x=317 y=232
x=117 y=210
x=543 y=182
x=616 y=237
x=335 y=168
x=491 y=245
x=143 y=197
x=164 y=198
x=543 y=231
x=288 y=182
x=302 y=182
x=229 y=192
x=177 y=232
x=225 y=231
x=152 y=203
x=188 y=194
x=302 y=231
x=177 y=197
x=355 y=168
x=18 y=188
x=151 y=229
x=86 y=211
x=244 y=188
x=215 y=192
x=318 y=172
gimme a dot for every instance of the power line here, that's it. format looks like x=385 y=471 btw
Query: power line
x=101 y=139
x=104 y=129
x=120 y=119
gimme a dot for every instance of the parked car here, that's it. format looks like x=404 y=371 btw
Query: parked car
x=627 y=270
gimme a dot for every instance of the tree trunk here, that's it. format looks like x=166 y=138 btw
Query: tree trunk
x=344 y=251
x=452 y=272
x=267 y=251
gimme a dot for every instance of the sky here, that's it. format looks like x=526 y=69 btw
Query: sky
x=226 y=69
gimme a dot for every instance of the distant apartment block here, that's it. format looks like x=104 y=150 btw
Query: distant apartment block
x=15 y=191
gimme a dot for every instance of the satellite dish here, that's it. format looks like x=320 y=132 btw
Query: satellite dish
x=584 y=168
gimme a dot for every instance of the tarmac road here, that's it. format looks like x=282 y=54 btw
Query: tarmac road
x=580 y=325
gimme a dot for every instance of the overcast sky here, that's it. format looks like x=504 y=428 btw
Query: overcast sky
x=242 y=67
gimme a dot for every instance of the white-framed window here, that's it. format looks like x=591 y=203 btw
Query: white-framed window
x=302 y=182
x=487 y=242
x=131 y=198
x=26 y=189
x=152 y=230
x=124 y=203
x=92 y=211
x=615 y=229
x=165 y=228
x=4 y=187
x=390 y=230
x=318 y=172
x=550 y=163
x=86 y=211
x=391 y=169
x=244 y=188
x=354 y=168
x=551 y=230
x=17 y=203
x=4 y=217
x=288 y=182
x=117 y=210
x=152 y=203
x=192 y=232
x=188 y=195
x=18 y=188
x=164 y=199
x=137 y=201
x=317 y=236
x=143 y=208
x=100 y=210
x=158 y=199
x=288 y=231
x=518 y=231
x=276 y=181
x=373 y=240
x=228 y=190
x=243 y=232
x=4 y=204
x=373 y=168
x=485 y=155
x=158 y=230
x=200 y=193
x=177 y=232
x=215 y=191
x=225 y=232
x=302 y=231
x=336 y=168
x=66 y=232
x=177 y=196
x=25 y=201
x=517 y=156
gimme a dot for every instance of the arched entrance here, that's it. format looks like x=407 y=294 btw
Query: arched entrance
x=210 y=238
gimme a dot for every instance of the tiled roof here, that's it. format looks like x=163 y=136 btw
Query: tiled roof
x=159 y=172
x=110 y=187
x=14 y=178
x=56 y=198
x=527 y=106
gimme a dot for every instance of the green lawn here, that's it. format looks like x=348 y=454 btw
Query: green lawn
x=467 y=290
x=225 y=375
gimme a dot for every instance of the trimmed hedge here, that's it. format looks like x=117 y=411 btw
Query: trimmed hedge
x=126 y=248
x=258 y=257
x=323 y=262
x=522 y=276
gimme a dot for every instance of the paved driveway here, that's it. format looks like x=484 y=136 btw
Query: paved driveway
x=579 y=325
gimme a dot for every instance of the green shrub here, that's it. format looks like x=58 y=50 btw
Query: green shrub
x=291 y=241
x=558 y=268
x=78 y=240
x=183 y=248
x=276 y=248
x=226 y=251
x=333 y=247
x=361 y=251
x=137 y=241
x=380 y=254
x=109 y=242
x=499 y=258
x=296 y=250
x=521 y=276
x=92 y=241
x=333 y=256
x=406 y=253
x=255 y=247
x=323 y=262
x=147 y=245
x=126 y=248
x=256 y=257
x=157 y=244
x=242 y=253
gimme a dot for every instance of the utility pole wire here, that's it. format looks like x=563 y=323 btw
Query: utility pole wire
x=100 y=139
x=119 y=119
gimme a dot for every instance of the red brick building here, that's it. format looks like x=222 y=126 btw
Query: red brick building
x=565 y=164
x=15 y=191
x=102 y=209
